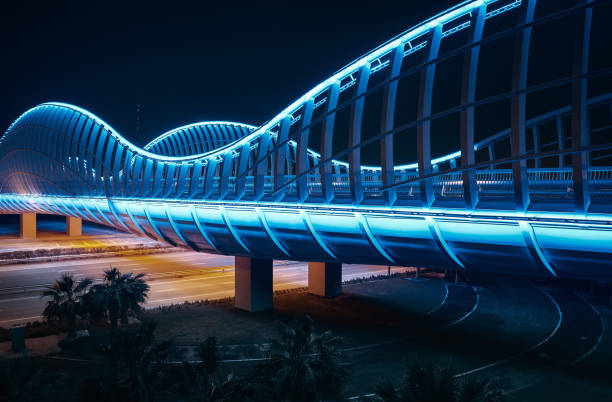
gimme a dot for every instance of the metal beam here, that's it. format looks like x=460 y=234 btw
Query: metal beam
x=126 y=177
x=536 y=145
x=146 y=178
x=280 y=160
x=560 y=139
x=301 y=156
x=157 y=178
x=518 y=107
x=194 y=184
x=387 y=124
x=243 y=161
x=579 y=119
x=424 y=111
x=327 y=136
x=226 y=171
x=209 y=182
x=108 y=171
x=181 y=180
x=136 y=184
x=116 y=168
x=355 y=123
x=468 y=95
x=262 y=166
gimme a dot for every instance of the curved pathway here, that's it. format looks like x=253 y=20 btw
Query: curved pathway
x=478 y=326
x=579 y=337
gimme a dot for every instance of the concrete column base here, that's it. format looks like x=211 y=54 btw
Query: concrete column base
x=74 y=226
x=253 y=284
x=27 y=225
x=325 y=278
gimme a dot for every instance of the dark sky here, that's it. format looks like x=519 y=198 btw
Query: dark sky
x=185 y=62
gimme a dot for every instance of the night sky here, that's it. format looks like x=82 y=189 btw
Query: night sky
x=185 y=62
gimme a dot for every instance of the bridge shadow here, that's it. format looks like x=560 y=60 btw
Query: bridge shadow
x=389 y=310
x=503 y=321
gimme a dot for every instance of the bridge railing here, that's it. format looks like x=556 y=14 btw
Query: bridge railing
x=449 y=186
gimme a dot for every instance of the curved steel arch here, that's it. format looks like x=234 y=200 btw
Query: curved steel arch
x=198 y=138
x=264 y=191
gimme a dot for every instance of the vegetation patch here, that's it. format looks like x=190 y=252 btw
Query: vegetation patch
x=18 y=256
x=36 y=329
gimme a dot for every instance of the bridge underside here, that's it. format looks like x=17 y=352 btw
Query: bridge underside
x=542 y=244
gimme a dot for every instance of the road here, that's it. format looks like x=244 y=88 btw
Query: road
x=174 y=277
x=52 y=234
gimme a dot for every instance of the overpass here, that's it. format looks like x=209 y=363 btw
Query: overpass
x=526 y=190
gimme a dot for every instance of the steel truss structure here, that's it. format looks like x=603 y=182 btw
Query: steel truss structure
x=533 y=198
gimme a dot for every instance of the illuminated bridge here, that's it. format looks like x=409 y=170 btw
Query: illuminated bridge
x=478 y=140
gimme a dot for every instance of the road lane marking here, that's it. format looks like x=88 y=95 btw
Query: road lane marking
x=469 y=312
x=529 y=349
x=601 y=334
x=443 y=299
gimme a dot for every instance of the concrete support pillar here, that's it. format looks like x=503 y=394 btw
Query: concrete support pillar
x=325 y=278
x=74 y=226
x=253 y=284
x=27 y=225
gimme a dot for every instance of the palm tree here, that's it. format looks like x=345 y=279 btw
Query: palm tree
x=133 y=293
x=434 y=384
x=209 y=355
x=117 y=295
x=194 y=385
x=140 y=352
x=198 y=382
x=303 y=365
x=17 y=379
x=480 y=389
x=66 y=295
x=133 y=358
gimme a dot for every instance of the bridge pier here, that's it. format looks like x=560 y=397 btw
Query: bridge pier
x=253 y=288
x=74 y=226
x=325 y=278
x=27 y=225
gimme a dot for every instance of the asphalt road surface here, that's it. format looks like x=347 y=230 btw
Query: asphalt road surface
x=174 y=277
x=51 y=234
